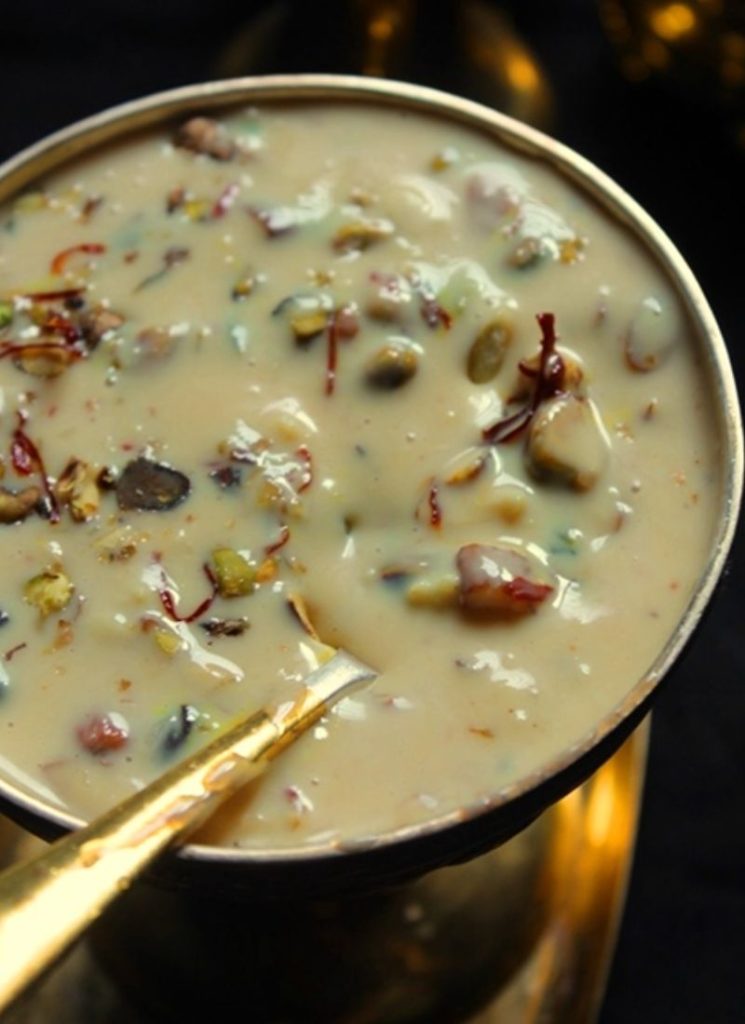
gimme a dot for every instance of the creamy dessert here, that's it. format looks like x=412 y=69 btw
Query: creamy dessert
x=316 y=376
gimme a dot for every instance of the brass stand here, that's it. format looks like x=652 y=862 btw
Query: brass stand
x=520 y=935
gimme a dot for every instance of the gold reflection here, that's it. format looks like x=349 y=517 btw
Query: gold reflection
x=672 y=22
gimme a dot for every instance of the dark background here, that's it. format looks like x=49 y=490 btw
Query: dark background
x=674 y=139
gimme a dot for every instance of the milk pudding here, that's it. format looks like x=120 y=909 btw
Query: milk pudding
x=318 y=375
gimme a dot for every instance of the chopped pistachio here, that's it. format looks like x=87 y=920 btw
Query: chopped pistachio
x=308 y=323
x=360 y=234
x=6 y=313
x=50 y=592
x=118 y=544
x=392 y=366
x=486 y=354
x=235 y=576
x=77 y=487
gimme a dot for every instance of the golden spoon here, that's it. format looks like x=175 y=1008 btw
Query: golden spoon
x=47 y=903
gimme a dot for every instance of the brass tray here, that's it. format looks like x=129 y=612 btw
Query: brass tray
x=557 y=891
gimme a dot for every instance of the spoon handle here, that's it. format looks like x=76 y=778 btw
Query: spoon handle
x=47 y=903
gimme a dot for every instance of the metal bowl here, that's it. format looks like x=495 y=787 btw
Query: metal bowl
x=405 y=853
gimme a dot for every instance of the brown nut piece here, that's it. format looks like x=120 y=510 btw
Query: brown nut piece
x=97 y=323
x=498 y=581
x=204 y=135
x=151 y=487
x=46 y=361
x=16 y=505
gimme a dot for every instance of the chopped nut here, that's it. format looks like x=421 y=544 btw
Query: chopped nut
x=101 y=733
x=510 y=503
x=50 y=592
x=498 y=581
x=243 y=287
x=526 y=253
x=486 y=354
x=433 y=591
x=225 y=627
x=308 y=324
x=204 y=135
x=97 y=323
x=6 y=314
x=77 y=487
x=156 y=342
x=119 y=544
x=566 y=442
x=360 y=234
x=234 y=575
x=45 y=360
x=464 y=468
x=150 y=486
x=392 y=366
x=16 y=505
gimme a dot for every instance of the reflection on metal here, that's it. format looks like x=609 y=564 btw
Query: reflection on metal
x=522 y=935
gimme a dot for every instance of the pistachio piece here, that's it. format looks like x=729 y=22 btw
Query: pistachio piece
x=50 y=592
x=392 y=366
x=16 y=505
x=77 y=487
x=118 y=544
x=150 y=486
x=204 y=135
x=6 y=313
x=234 y=575
x=486 y=354
x=566 y=442
x=308 y=323
x=498 y=581
x=360 y=234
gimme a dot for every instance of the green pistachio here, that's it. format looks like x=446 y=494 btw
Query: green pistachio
x=235 y=576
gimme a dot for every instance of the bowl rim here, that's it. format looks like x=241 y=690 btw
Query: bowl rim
x=127 y=118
